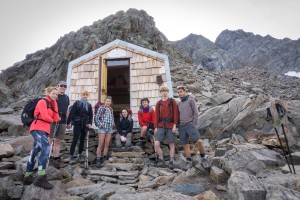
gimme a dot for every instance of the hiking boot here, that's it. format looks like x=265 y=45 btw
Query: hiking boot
x=205 y=164
x=42 y=182
x=72 y=161
x=99 y=162
x=188 y=165
x=28 y=179
x=59 y=164
x=160 y=163
x=80 y=159
x=171 y=164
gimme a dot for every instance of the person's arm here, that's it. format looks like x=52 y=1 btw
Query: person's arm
x=72 y=113
x=140 y=118
x=119 y=128
x=97 y=118
x=153 y=117
x=176 y=112
x=129 y=129
x=90 y=115
x=195 y=111
x=56 y=117
x=113 y=118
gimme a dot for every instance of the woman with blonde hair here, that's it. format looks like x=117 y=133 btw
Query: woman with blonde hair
x=45 y=112
x=105 y=122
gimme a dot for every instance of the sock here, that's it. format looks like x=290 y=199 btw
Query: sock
x=161 y=158
x=189 y=159
x=172 y=159
x=41 y=172
x=28 y=174
x=202 y=155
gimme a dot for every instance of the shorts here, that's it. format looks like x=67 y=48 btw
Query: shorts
x=60 y=132
x=165 y=133
x=105 y=131
x=186 y=132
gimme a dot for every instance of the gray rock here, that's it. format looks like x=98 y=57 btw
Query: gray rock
x=5 y=184
x=15 y=192
x=161 y=195
x=6 y=151
x=244 y=186
x=33 y=192
x=189 y=189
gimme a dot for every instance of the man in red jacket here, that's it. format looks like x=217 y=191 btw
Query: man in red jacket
x=165 y=122
x=146 y=117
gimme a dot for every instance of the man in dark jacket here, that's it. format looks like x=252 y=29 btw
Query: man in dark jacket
x=82 y=116
x=60 y=128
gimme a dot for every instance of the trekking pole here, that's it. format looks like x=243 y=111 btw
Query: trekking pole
x=86 y=164
x=270 y=118
x=155 y=154
x=281 y=113
x=52 y=142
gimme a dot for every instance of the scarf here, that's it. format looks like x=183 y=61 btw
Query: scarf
x=146 y=109
x=85 y=104
x=183 y=99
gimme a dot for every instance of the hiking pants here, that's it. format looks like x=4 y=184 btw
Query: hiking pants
x=79 y=133
x=119 y=142
x=40 y=144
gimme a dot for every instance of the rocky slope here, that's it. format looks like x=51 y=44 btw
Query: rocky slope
x=48 y=66
x=236 y=49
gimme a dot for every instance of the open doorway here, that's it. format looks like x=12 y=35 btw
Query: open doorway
x=118 y=84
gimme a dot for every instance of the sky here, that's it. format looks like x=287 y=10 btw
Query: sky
x=31 y=25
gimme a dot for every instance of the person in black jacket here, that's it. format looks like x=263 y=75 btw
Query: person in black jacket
x=81 y=115
x=59 y=134
x=124 y=129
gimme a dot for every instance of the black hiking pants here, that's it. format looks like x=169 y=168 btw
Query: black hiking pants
x=79 y=133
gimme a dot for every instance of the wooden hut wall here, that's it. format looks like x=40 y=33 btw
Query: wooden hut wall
x=143 y=73
x=85 y=76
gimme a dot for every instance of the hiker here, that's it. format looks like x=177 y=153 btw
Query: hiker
x=124 y=129
x=105 y=123
x=146 y=117
x=166 y=120
x=62 y=103
x=46 y=112
x=81 y=116
x=188 y=117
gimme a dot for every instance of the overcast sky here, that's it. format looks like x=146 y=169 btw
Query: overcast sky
x=31 y=25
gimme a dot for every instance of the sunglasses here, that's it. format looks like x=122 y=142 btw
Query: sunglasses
x=63 y=86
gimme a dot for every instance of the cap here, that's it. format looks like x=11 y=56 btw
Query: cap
x=62 y=83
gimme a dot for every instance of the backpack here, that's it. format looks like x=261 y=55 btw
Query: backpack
x=170 y=109
x=27 y=116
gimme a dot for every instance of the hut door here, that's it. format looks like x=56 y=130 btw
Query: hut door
x=103 y=80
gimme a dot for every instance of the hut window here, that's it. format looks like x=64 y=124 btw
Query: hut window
x=117 y=63
x=159 y=80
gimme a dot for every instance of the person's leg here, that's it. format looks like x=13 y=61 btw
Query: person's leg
x=143 y=131
x=118 y=140
x=76 y=135
x=41 y=179
x=158 y=139
x=171 y=139
x=201 y=147
x=28 y=177
x=83 y=133
x=106 y=144
x=128 y=141
x=101 y=137
x=59 y=136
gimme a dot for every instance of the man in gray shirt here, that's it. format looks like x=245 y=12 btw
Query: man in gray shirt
x=188 y=117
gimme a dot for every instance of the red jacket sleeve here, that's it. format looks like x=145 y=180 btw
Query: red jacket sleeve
x=140 y=118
